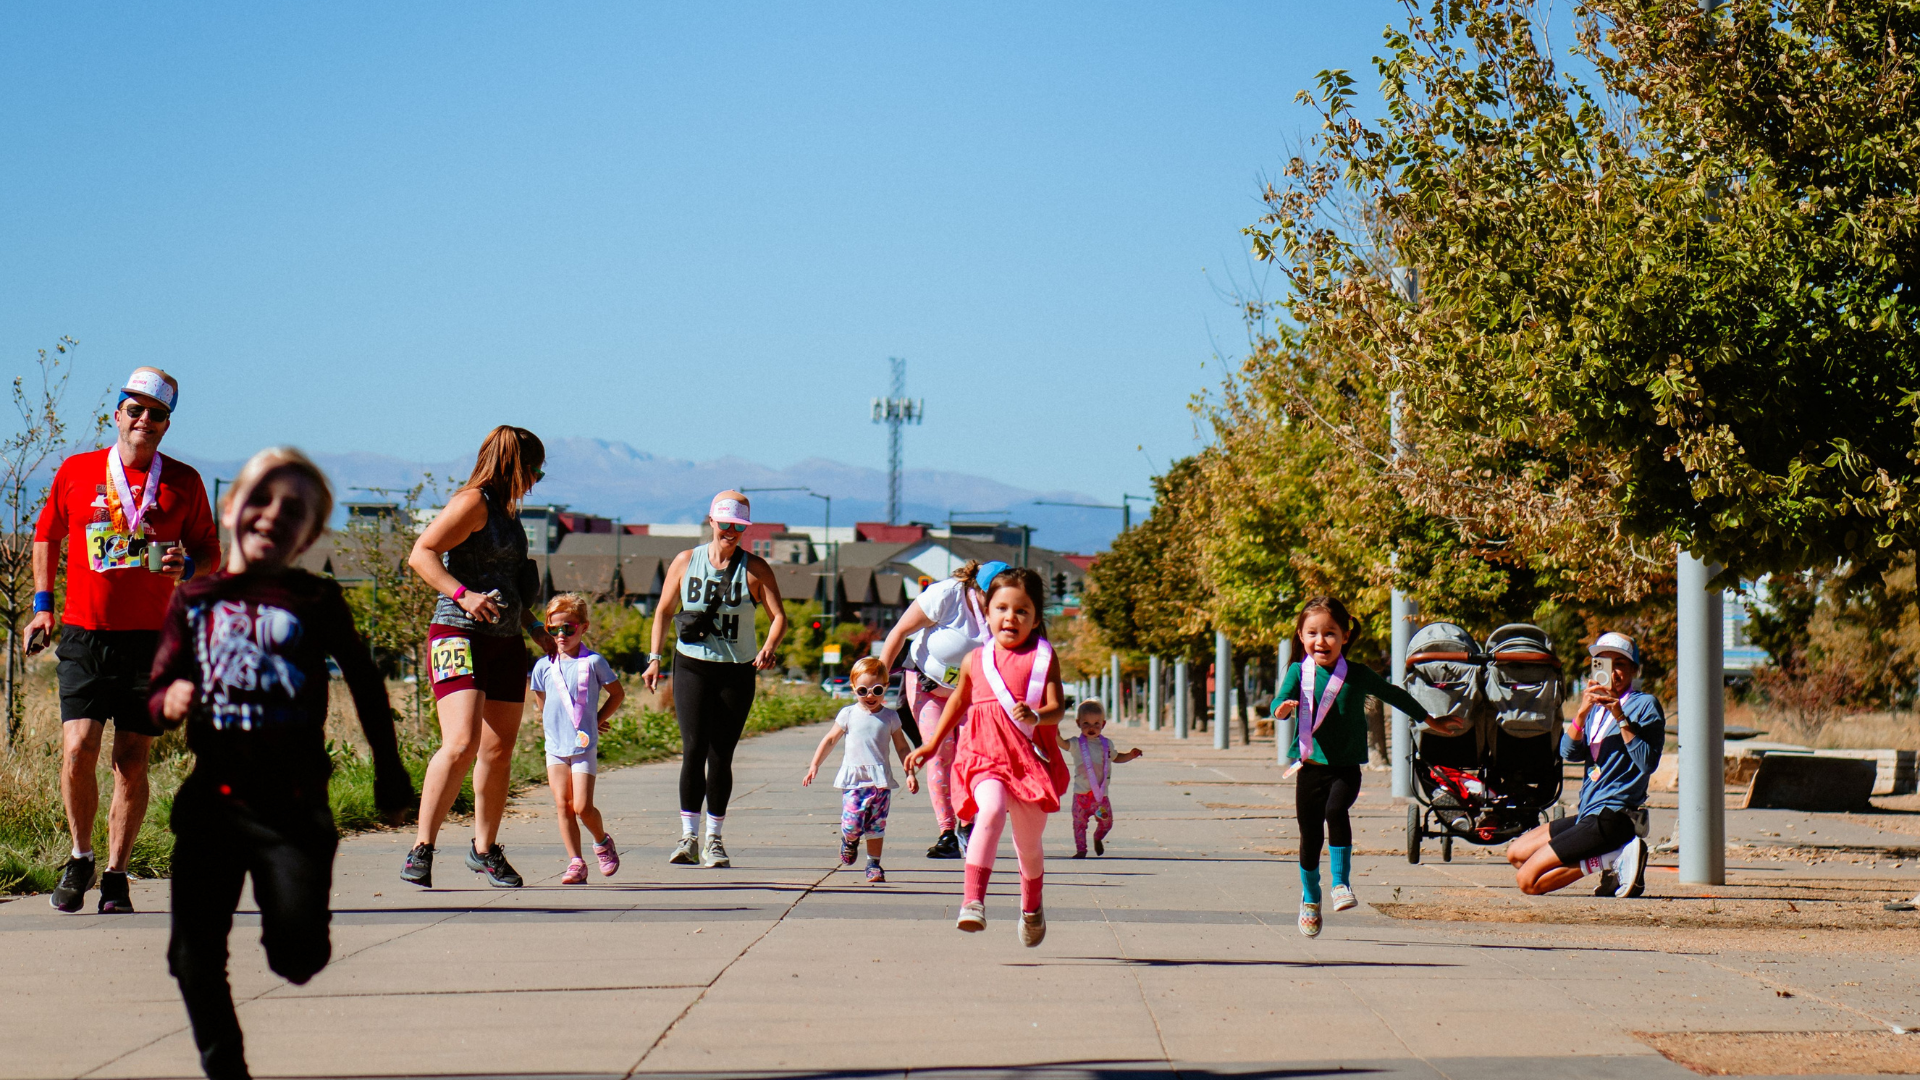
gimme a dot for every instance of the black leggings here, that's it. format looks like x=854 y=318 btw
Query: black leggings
x=1324 y=793
x=710 y=699
x=218 y=842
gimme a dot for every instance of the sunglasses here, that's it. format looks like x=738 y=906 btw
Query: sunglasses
x=155 y=413
x=869 y=691
x=729 y=527
x=565 y=629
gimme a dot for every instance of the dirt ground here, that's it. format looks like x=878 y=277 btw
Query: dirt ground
x=1788 y=1053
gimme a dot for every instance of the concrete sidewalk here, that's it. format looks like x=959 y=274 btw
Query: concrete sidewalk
x=1176 y=954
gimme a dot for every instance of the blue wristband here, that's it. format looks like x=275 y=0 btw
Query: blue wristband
x=43 y=601
x=187 y=574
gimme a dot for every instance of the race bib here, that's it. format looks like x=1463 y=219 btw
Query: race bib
x=111 y=549
x=450 y=658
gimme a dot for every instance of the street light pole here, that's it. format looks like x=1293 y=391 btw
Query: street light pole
x=1703 y=811
x=1222 y=690
x=1182 y=697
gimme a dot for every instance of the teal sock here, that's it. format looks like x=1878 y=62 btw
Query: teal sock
x=1309 y=886
x=1342 y=866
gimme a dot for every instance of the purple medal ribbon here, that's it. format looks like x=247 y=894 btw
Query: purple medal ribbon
x=1311 y=716
x=1097 y=781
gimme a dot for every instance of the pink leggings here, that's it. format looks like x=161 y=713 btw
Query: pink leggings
x=926 y=712
x=1029 y=825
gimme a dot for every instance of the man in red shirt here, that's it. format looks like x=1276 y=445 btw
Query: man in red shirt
x=135 y=522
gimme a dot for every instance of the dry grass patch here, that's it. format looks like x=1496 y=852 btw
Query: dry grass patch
x=1788 y=1053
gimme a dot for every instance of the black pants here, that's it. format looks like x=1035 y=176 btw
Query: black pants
x=1324 y=793
x=218 y=843
x=710 y=700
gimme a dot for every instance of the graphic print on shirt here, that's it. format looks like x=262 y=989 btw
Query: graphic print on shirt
x=706 y=592
x=240 y=648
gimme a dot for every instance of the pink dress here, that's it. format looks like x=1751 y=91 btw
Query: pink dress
x=992 y=747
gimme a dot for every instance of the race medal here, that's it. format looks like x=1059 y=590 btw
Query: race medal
x=580 y=739
x=450 y=658
x=109 y=548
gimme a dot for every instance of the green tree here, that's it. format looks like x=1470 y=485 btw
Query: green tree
x=1670 y=307
x=391 y=605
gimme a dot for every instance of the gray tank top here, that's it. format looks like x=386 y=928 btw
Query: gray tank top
x=706 y=586
x=491 y=558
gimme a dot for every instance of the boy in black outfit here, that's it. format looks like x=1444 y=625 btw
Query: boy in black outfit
x=243 y=662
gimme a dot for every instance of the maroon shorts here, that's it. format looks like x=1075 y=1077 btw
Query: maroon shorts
x=462 y=660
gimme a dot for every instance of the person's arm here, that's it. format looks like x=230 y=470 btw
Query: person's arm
x=663 y=614
x=47 y=532
x=1651 y=729
x=616 y=695
x=820 y=752
x=42 y=621
x=1129 y=755
x=901 y=747
x=199 y=535
x=1376 y=685
x=392 y=787
x=1287 y=700
x=176 y=669
x=949 y=719
x=911 y=622
x=767 y=596
x=464 y=515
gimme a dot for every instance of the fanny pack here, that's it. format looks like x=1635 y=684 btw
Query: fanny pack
x=695 y=627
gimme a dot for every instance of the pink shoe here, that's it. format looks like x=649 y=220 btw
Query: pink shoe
x=609 y=858
x=576 y=873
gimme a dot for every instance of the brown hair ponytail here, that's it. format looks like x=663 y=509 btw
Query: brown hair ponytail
x=509 y=462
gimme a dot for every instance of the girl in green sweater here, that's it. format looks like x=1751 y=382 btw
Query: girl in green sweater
x=1330 y=746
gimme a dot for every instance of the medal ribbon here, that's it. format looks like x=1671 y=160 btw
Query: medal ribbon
x=1097 y=780
x=1311 y=716
x=575 y=709
x=122 y=494
x=1036 y=686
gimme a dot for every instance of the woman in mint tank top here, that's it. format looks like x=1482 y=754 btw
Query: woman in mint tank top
x=714 y=588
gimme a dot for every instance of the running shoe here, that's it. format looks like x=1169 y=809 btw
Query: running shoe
x=1081 y=854
x=875 y=875
x=115 y=898
x=500 y=873
x=715 y=855
x=1343 y=898
x=419 y=866
x=964 y=833
x=1310 y=919
x=849 y=849
x=947 y=847
x=576 y=872
x=75 y=879
x=1609 y=884
x=609 y=858
x=1033 y=928
x=688 y=853
x=973 y=917
x=1630 y=866
x=1099 y=846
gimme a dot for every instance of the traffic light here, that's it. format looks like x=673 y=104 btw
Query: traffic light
x=1059 y=586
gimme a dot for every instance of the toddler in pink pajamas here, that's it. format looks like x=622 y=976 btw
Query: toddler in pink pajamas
x=1093 y=760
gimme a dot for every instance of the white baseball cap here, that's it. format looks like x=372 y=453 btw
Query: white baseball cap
x=730 y=510
x=153 y=383
x=1613 y=643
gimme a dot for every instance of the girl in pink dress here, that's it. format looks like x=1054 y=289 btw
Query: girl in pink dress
x=1009 y=765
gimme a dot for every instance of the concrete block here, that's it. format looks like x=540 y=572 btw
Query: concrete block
x=1811 y=782
x=1893 y=769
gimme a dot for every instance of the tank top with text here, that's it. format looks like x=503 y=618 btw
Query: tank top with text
x=735 y=639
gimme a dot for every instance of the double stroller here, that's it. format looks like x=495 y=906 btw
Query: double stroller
x=1486 y=764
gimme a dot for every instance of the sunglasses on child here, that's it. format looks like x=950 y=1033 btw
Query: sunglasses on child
x=564 y=629
x=869 y=691
x=155 y=413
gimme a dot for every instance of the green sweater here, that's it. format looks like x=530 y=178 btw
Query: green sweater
x=1341 y=739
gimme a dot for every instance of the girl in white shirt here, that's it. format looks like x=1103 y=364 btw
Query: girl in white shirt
x=866 y=773
x=566 y=689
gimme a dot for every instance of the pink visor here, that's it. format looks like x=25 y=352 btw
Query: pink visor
x=730 y=511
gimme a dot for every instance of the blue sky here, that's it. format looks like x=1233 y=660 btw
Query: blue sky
x=698 y=230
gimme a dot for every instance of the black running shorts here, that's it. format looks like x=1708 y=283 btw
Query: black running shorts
x=104 y=676
x=1574 y=839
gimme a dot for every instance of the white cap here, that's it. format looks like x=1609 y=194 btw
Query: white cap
x=730 y=510
x=1615 y=644
x=152 y=382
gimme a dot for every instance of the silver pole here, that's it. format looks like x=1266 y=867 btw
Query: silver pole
x=1405 y=613
x=1222 y=690
x=1153 y=692
x=1182 y=696
x=1703 y=809
x=1282 y=729
x=1113 y=687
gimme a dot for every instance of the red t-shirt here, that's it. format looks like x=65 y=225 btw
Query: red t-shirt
x=128 y=598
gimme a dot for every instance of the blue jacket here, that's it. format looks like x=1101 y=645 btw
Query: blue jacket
x=1618 y=770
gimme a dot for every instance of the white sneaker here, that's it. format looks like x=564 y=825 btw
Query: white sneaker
x=973 y=917
x=1630 y=865
x=1310 y=919
x=1343 y=898
x=715 y=854
x=688 y=851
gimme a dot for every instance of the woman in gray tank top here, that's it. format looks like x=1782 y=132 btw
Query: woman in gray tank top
x=717 y=586
x=475 y=555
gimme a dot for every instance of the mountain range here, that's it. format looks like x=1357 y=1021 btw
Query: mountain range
x=612 y=479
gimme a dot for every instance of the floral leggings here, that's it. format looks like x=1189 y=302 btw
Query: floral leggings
x=1086 y=806
x=863 y=812
x=926 y=710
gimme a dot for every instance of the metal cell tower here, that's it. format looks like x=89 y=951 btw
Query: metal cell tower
x=895 y=411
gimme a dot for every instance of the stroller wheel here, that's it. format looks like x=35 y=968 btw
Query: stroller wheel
x=1414 y=832
x=1446 y=849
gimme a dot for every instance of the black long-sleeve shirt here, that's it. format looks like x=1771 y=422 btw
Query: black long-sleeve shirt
x=255 y=645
